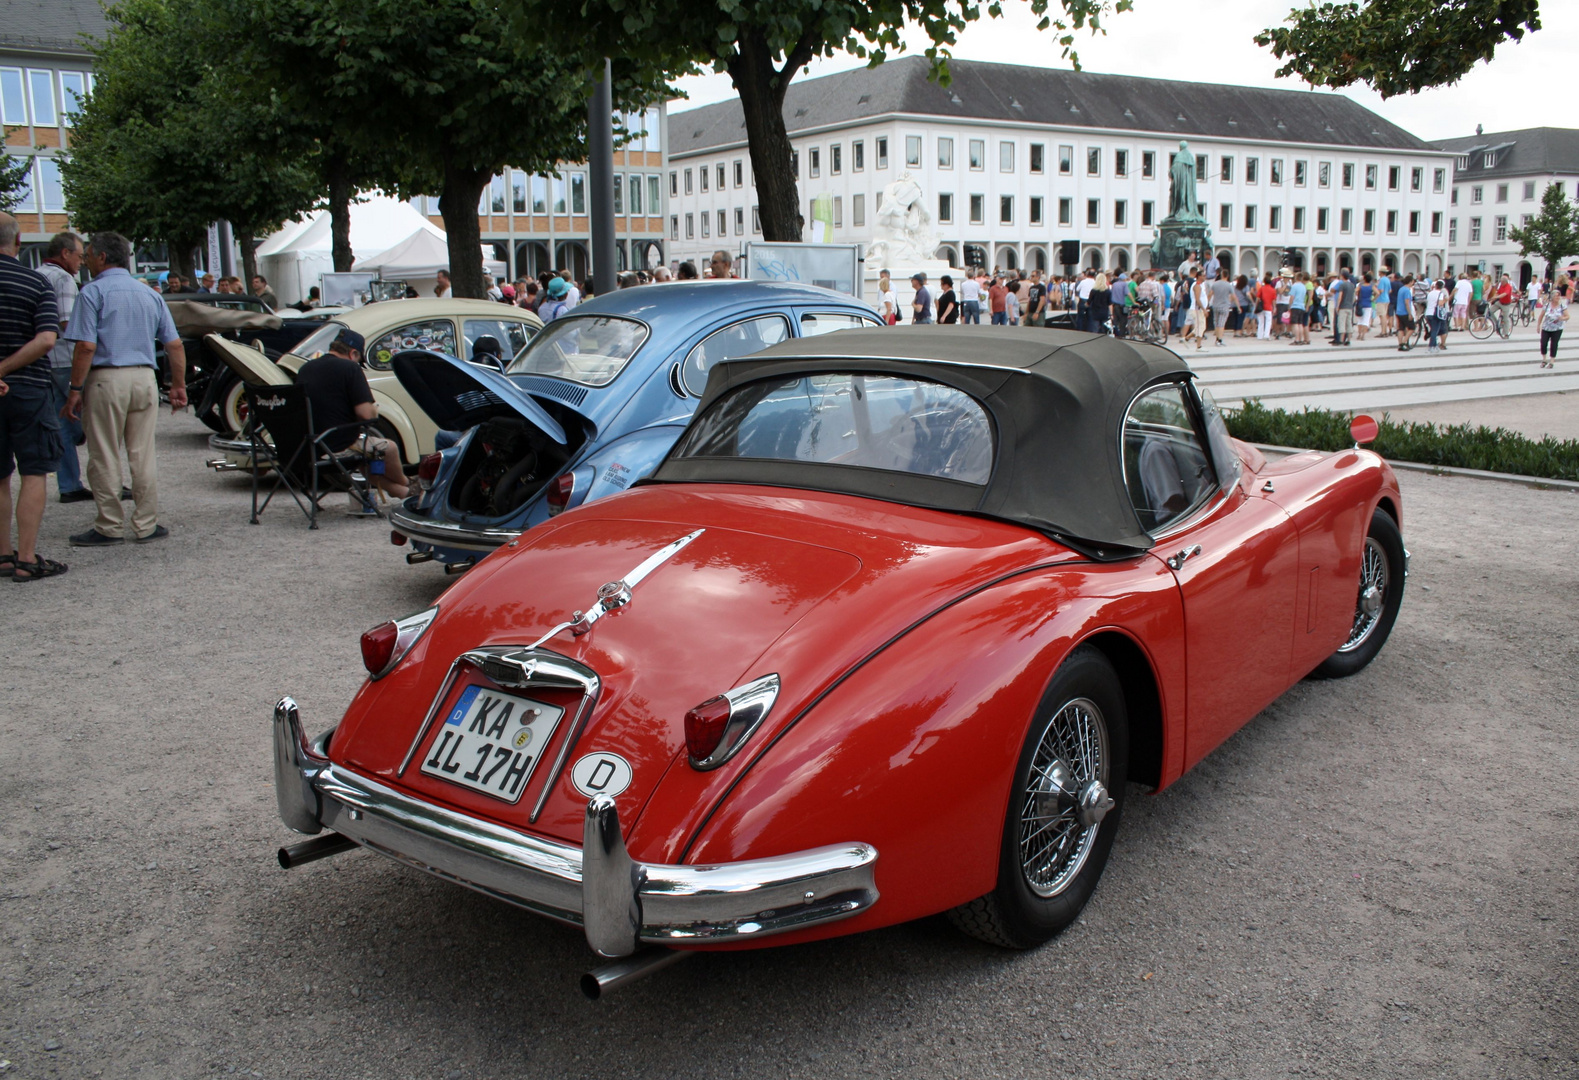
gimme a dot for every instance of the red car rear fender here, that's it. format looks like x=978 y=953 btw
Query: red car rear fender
x=914 y=753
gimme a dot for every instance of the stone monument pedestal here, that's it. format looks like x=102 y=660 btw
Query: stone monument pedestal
x=904 y=292
x=1176 y=238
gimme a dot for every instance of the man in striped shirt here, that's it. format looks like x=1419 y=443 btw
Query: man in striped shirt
x=29 y=429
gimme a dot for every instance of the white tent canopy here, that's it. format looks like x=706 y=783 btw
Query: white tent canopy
x=387 y=236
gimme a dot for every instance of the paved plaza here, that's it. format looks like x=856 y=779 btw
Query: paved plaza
x=1373 y=878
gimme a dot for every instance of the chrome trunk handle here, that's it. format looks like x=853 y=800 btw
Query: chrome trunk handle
x=1179 y=558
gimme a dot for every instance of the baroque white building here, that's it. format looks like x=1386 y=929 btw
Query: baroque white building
x=1498 y=180
x=1016 y=161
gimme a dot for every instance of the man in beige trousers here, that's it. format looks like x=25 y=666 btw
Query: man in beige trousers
x=113 y=368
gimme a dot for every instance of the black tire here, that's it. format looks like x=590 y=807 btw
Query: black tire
x=1018 y=914
x=1370 y=634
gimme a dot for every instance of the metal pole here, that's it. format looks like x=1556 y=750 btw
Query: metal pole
x=600 y=168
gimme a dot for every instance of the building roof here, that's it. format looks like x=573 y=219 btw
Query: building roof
x=50 y=25
x=1542 y=150
x=1009 y=93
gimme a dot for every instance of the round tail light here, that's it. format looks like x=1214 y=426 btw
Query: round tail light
x=559 y=492
x=397 y=538
x=378 y=646
x=704 y=727
x=428 y=467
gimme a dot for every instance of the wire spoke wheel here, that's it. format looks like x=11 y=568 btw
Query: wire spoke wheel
x=1068 y=776
x=1372 y=596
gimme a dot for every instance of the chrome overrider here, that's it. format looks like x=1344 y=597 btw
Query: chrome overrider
x=621 y=903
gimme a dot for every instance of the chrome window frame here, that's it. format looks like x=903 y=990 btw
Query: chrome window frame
x=1208 y=503
x=790 y=326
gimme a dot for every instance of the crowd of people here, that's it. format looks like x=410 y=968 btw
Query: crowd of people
x=1199 y=300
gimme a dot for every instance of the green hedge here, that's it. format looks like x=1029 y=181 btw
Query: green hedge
x=1457 y=446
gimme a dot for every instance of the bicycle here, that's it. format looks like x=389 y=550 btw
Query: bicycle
x=1526 y=313
x=1145 y=326
x=1482 y=327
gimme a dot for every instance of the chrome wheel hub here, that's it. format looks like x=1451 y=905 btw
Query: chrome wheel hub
x=1372 y=595
x=1065 y=797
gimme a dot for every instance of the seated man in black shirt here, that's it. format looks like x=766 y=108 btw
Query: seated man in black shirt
x=339 y=393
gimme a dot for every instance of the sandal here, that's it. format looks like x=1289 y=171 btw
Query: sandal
x=40 y=567
x=8 y=562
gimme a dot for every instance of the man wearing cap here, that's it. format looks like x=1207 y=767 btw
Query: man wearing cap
x=557 y=303
x=337 y=388
x=114 y=372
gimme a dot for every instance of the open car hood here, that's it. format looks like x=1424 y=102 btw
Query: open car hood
x=250 y=365
x=458 y=395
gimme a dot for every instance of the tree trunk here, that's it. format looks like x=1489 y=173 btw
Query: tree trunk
x=249 y=256
x=340 y=194
x=761 y=88
x=183 y=258
x=458 y=203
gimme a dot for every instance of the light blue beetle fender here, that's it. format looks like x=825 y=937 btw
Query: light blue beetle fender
x=620 y=464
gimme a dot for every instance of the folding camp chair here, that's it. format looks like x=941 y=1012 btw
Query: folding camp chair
x=303 y=462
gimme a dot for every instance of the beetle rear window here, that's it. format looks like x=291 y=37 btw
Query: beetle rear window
x=590 y=349
x=884 y=422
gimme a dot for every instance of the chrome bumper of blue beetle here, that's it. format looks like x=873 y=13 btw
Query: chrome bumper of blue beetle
x=621 y=903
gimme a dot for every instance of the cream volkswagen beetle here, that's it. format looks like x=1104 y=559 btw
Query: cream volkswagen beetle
x=452 y=327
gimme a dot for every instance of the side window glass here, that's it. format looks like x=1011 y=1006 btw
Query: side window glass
x=1165 y=466
x=511 y=337
x=437 y=335
x=814 y=323
x=730 y=343
x=1225 y=460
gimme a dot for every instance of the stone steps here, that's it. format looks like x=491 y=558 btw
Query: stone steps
x=1365 y=376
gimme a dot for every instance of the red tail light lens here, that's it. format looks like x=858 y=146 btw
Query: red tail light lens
x=386 y=643
x=559 y=492
x=704 y=727
x=428 y=467
x=378 y=646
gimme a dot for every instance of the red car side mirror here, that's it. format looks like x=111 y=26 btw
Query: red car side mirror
x=1364 y=430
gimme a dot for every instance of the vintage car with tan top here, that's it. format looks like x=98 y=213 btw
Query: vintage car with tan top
x=452 y=327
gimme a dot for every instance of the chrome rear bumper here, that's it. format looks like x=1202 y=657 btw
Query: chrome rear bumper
x=620 y=903
x=444 y=534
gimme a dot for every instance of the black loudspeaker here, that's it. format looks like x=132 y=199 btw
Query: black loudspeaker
x=1069 y=252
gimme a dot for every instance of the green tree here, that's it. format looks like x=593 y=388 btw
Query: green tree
x=441 y=82
x=1553 y=234
x=14 y=181
x=763 y=43
x=166 y=143
x=1396 y=46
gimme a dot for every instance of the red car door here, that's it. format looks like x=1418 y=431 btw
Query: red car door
x=1234 y=555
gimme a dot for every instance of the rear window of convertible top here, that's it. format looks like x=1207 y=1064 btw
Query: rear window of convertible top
x=871 y=421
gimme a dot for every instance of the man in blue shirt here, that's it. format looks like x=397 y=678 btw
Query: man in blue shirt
x=115 y=324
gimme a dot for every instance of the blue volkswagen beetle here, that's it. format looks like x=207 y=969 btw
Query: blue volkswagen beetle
x=588 y=408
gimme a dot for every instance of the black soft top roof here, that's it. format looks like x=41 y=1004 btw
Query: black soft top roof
x=1057 y=399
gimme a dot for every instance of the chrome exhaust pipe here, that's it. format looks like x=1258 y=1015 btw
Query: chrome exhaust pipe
x=319 y=847
x=459 y=567
x=626 y=970
x=415 y=557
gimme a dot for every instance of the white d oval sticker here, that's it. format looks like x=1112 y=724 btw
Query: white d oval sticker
x=601 y=774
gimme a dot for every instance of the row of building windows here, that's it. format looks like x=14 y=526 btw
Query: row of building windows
x=1229 y=165
x=516 y=192
x=1499 y=229
x=1477 y=193
x=723 y=219
x=42 y=189
x=42 y=97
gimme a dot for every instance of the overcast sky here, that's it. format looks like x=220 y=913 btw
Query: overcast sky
x=1212 y=41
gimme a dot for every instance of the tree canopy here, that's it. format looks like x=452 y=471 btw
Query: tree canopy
x=763 y=43
x=1396 y=46
x=454 y=95
x=1553 y=234
x=170 y=142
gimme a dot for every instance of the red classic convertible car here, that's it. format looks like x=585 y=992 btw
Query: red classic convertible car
x=887 y=634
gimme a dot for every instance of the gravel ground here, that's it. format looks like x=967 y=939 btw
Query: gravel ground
x=1374 y=878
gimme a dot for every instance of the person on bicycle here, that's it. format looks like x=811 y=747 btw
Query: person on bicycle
x=1504 y=300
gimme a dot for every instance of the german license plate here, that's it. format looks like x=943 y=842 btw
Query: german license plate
x=490 y=742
